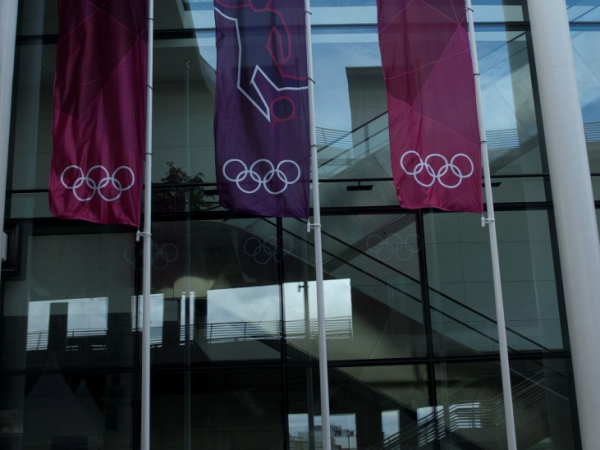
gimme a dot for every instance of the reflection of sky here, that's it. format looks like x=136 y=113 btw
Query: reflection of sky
x=83 y=314
x=337 y=295
x=359 y=12
x=587 y=64
x=390 y=423
x=157 y=311
x=298 y=423
x=261 y=303
x=248 y=304
x=583 y=10
x=321 y=14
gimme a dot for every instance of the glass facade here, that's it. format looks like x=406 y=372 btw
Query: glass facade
x=409 y=303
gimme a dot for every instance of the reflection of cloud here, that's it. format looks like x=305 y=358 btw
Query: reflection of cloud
x=337 y=296
x=157 y=311
x=261 y=303
x=83 y=314
x=248 y=304
x=390 y=423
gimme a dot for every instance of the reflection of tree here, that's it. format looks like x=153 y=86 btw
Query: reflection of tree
x=172 y=198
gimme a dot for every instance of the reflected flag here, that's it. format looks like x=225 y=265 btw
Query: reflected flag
x=434 y=133
x=261 y=107
x=99 y=111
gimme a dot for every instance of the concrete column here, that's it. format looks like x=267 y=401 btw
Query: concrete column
x=8 y=34
x=573 y=203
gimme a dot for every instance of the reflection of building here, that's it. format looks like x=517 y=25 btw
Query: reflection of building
x=412 y=335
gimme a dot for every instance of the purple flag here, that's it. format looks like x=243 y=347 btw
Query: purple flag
x=434 y=133
x=99 y=111
x=261 y=107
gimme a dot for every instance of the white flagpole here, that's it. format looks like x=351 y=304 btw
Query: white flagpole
x=491 y=221
x=147 y=265
x=323 y=376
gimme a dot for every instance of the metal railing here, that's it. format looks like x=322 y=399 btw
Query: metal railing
x=39 y=340
x=213 y=333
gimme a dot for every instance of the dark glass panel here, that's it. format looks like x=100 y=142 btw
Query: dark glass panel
x=31 y=150
x=69 y=301
x=60 y=410
x=237 y=409
x=471 y=404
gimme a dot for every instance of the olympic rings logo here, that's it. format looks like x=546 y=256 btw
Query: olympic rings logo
x=395 y=245
x=264 y=251
x=264 y=181
x=441 y=171
x=97 y=187
x=161 y=256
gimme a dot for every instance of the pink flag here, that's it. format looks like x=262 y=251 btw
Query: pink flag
x=99 y=111
x=434 y=134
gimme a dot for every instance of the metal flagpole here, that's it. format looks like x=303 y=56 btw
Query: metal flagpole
x=323 y=376
x=491 y=221
x=147 y=265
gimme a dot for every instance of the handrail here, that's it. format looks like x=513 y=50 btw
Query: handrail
x=399 y=272
x=487 y=413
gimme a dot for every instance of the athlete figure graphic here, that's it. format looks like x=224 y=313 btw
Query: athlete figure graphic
x=264 y=45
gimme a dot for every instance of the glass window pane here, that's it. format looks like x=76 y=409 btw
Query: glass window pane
x=372 y=290
x=366 y=405
x=583 y=10
x=183 y=102
x=472 y=399
x=32 y=121
x=508 y=103
x=69 y=299
x=461 y=287
x=224 y=274
x=498 y=10
x=585 y=42
x=38 y=18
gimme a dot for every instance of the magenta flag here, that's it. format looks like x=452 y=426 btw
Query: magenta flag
x=261 y=107
x=99 y=111
x=434 y=133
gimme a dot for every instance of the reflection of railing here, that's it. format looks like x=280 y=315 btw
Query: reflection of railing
x=336 y=328
x=592 y=131
x=242 y=331
x=339 y=138
x=467 y=326
x=8 y=423
x=38 y=340
x=467 y=415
